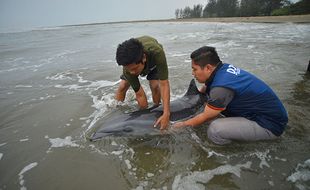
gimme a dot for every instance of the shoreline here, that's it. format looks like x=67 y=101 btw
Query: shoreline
x=297 y=19
x=256 y=19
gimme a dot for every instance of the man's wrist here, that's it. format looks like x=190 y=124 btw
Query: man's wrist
x=186 y=123
x=166 y=114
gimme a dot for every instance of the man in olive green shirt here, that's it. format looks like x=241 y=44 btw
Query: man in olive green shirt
x=144 y=56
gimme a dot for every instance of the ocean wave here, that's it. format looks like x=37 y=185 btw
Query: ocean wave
x=196 y=179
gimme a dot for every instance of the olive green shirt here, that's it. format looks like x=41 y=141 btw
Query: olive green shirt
x=155 y=57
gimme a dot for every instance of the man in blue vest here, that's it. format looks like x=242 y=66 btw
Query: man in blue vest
x=253 y=111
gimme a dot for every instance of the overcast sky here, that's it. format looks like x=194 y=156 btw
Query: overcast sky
x=27 y=14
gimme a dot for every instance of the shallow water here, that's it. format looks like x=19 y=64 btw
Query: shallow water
x=57 y=84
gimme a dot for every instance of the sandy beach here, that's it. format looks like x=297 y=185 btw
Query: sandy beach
x=263 y=19
x=258 y=19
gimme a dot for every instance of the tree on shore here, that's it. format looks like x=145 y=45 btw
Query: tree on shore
x=230 y=8
x=196 y=12
x=210 y=9
x=259 y=8
x=187 y=12
x=301 y=7
x=226 y=8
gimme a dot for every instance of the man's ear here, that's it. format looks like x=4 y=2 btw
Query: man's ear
x=144 y=58
x=208 y=68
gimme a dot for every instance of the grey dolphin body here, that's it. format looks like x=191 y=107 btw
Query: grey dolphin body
x=140 y=123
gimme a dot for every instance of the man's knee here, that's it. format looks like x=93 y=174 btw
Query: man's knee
x=213 y=130
x=121 y=91
x=216 y=132
x=154 y=85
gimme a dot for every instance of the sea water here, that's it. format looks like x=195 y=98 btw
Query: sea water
x=57 y=84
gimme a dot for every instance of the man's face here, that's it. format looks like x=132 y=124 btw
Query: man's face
x=136 y=68
x=201 y=74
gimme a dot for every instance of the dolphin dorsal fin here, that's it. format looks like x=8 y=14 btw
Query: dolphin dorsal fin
x=192 y=89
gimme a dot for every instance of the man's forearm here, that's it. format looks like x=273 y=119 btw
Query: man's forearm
x=206 y=115
x=165 y=94
x=196 y=121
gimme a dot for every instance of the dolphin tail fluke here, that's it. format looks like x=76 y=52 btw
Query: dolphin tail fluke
x=192 y=89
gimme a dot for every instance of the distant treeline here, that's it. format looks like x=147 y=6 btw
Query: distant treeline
x=236 y=8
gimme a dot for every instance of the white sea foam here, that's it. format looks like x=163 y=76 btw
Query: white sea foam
x=113 y=143
x=301 y=176
x=150 y=175
x=100 y=108
x=142 y=185
x=92 y=84
x=107 y=61
x=70 y=87
x=64 y=53
x=101 y=84
x=81 y=80
x=225 y=44
x=271 y=183
x=119 y=152
x=179 y=54
x=250 y=47
x=1 y=155
x=23 y=86
x=21 y=174
x=101 y=105
x=48 y=28
x=24 y=140
x=60 y=76
x=21 y=68
x=195 y=180
x=208 y=150
x=2 y=144
x=33 y=100
x=127 y=162
x=98 y=150
x=263 y=156
x=173 y=37
x=59 y=142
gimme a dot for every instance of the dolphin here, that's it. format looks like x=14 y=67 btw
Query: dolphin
x=141 y=122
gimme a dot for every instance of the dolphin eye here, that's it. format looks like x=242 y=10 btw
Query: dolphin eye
x=127 y=129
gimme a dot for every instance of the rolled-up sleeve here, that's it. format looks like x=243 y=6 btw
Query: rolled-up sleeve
x=219 y=98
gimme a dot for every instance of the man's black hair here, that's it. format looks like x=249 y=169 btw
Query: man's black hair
x=128 y=52
x=205 y=55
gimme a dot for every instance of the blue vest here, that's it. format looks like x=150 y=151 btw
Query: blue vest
x=253 y=99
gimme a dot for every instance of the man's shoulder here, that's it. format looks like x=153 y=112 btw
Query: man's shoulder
x=144 y=39
x=150 y=44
